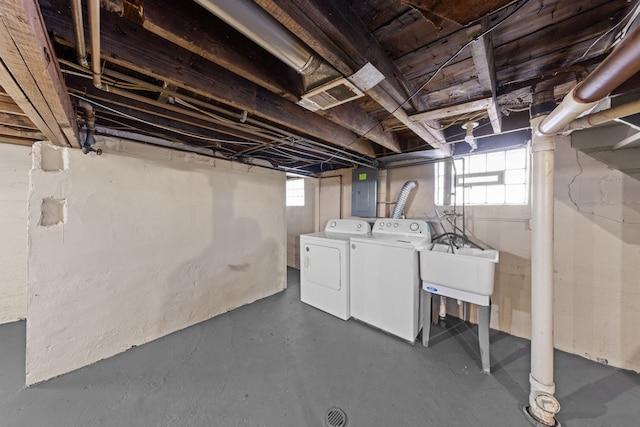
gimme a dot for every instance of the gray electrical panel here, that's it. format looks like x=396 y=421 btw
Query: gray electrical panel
x=364 y=192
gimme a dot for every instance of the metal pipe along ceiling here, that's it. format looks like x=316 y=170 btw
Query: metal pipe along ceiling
x=93 y=8
x=621 y=64
x=78 y=26
x=263 y=29
x=617 y=68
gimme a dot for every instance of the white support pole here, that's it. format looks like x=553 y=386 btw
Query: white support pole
x=543 y=406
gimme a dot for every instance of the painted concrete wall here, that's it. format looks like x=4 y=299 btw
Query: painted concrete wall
x=597 y=248
x=141 y=242
x=597 y=254
x=15 y=162
x=302 y=220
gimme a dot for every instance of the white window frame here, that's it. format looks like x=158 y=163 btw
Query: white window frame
x=484 y=183
x=295 y=192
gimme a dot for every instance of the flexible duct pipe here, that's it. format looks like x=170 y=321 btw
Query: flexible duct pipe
x=78 y=27
x=259 y=26
x=93 y=8
x=402 y=198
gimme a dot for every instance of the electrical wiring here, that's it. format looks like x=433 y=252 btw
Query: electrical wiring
x=633 y=12
x=168 y=128
x=117 y=80
x=444 y=64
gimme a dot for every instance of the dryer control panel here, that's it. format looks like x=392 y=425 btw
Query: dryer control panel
x=350 y=226
x=402 y=227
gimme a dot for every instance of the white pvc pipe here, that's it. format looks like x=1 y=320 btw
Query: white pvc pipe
x=93 y=8
x=563 y=114
x=542 y=404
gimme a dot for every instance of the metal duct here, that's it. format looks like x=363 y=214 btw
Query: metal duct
x=402 y=198
x=256 y=24
x=259 y=26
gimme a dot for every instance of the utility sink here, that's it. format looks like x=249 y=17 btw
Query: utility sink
x=466 y=274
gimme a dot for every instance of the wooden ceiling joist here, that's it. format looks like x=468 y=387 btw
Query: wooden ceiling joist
x=339 y=36
x=128 y=45
x=482 y=53
x=224 y=46
x=454 y=110
x=29 y=72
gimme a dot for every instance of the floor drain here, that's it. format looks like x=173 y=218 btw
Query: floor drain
x=335 y=418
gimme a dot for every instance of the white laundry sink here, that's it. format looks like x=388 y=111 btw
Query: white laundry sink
x=466 y=274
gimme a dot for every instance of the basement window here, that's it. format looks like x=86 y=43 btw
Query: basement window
x=295 y=192
x=492 y=178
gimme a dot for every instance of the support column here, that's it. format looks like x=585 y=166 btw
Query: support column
x=542 y=404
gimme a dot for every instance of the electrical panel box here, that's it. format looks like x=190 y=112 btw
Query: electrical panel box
x=364 y=195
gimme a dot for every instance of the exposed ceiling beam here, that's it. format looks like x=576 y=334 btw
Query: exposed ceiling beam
x=19 y=121
x=454 y=110
x=338 y=36
x=224 y=46
x=128 y=45
x=190 y=26
x=146 y=109
x=30 y=74
x=35 y=135
x=16 y=141
x=482 y=53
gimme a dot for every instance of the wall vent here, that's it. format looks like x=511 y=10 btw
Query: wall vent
x=327 y=96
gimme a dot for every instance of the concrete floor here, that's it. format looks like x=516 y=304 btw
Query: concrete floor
x=280 y=363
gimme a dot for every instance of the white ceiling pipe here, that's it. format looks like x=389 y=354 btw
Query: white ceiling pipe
x=78 y=27
x=256 y=24
x=93 y=8
x=605 y=116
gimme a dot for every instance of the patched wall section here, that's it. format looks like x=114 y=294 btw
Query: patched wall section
x=141 y=242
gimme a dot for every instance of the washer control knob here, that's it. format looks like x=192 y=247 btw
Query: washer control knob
x=332 y=224
x=388 y=224
x=395 y=225
x=414 y=226
x=359 y=226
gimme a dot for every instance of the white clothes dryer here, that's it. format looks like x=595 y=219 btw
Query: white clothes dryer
x=385 y=281
x=324 y=266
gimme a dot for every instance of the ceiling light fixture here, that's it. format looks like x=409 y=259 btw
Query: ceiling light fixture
x=469 y=139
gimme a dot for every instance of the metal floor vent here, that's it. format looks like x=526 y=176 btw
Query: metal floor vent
x=335 y=418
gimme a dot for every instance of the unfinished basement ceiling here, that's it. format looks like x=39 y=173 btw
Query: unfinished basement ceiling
x=175 y=72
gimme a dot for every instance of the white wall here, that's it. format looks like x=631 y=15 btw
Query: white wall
x=597 y=260
x=15 y=162
x=150 y=242
x=302 y=220
x=597 y=253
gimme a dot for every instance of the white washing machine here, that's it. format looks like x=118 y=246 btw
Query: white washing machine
x=385 y=282
x=324 y=265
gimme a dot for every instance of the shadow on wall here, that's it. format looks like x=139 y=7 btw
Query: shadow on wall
x=239 y=266
x=511 y=299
